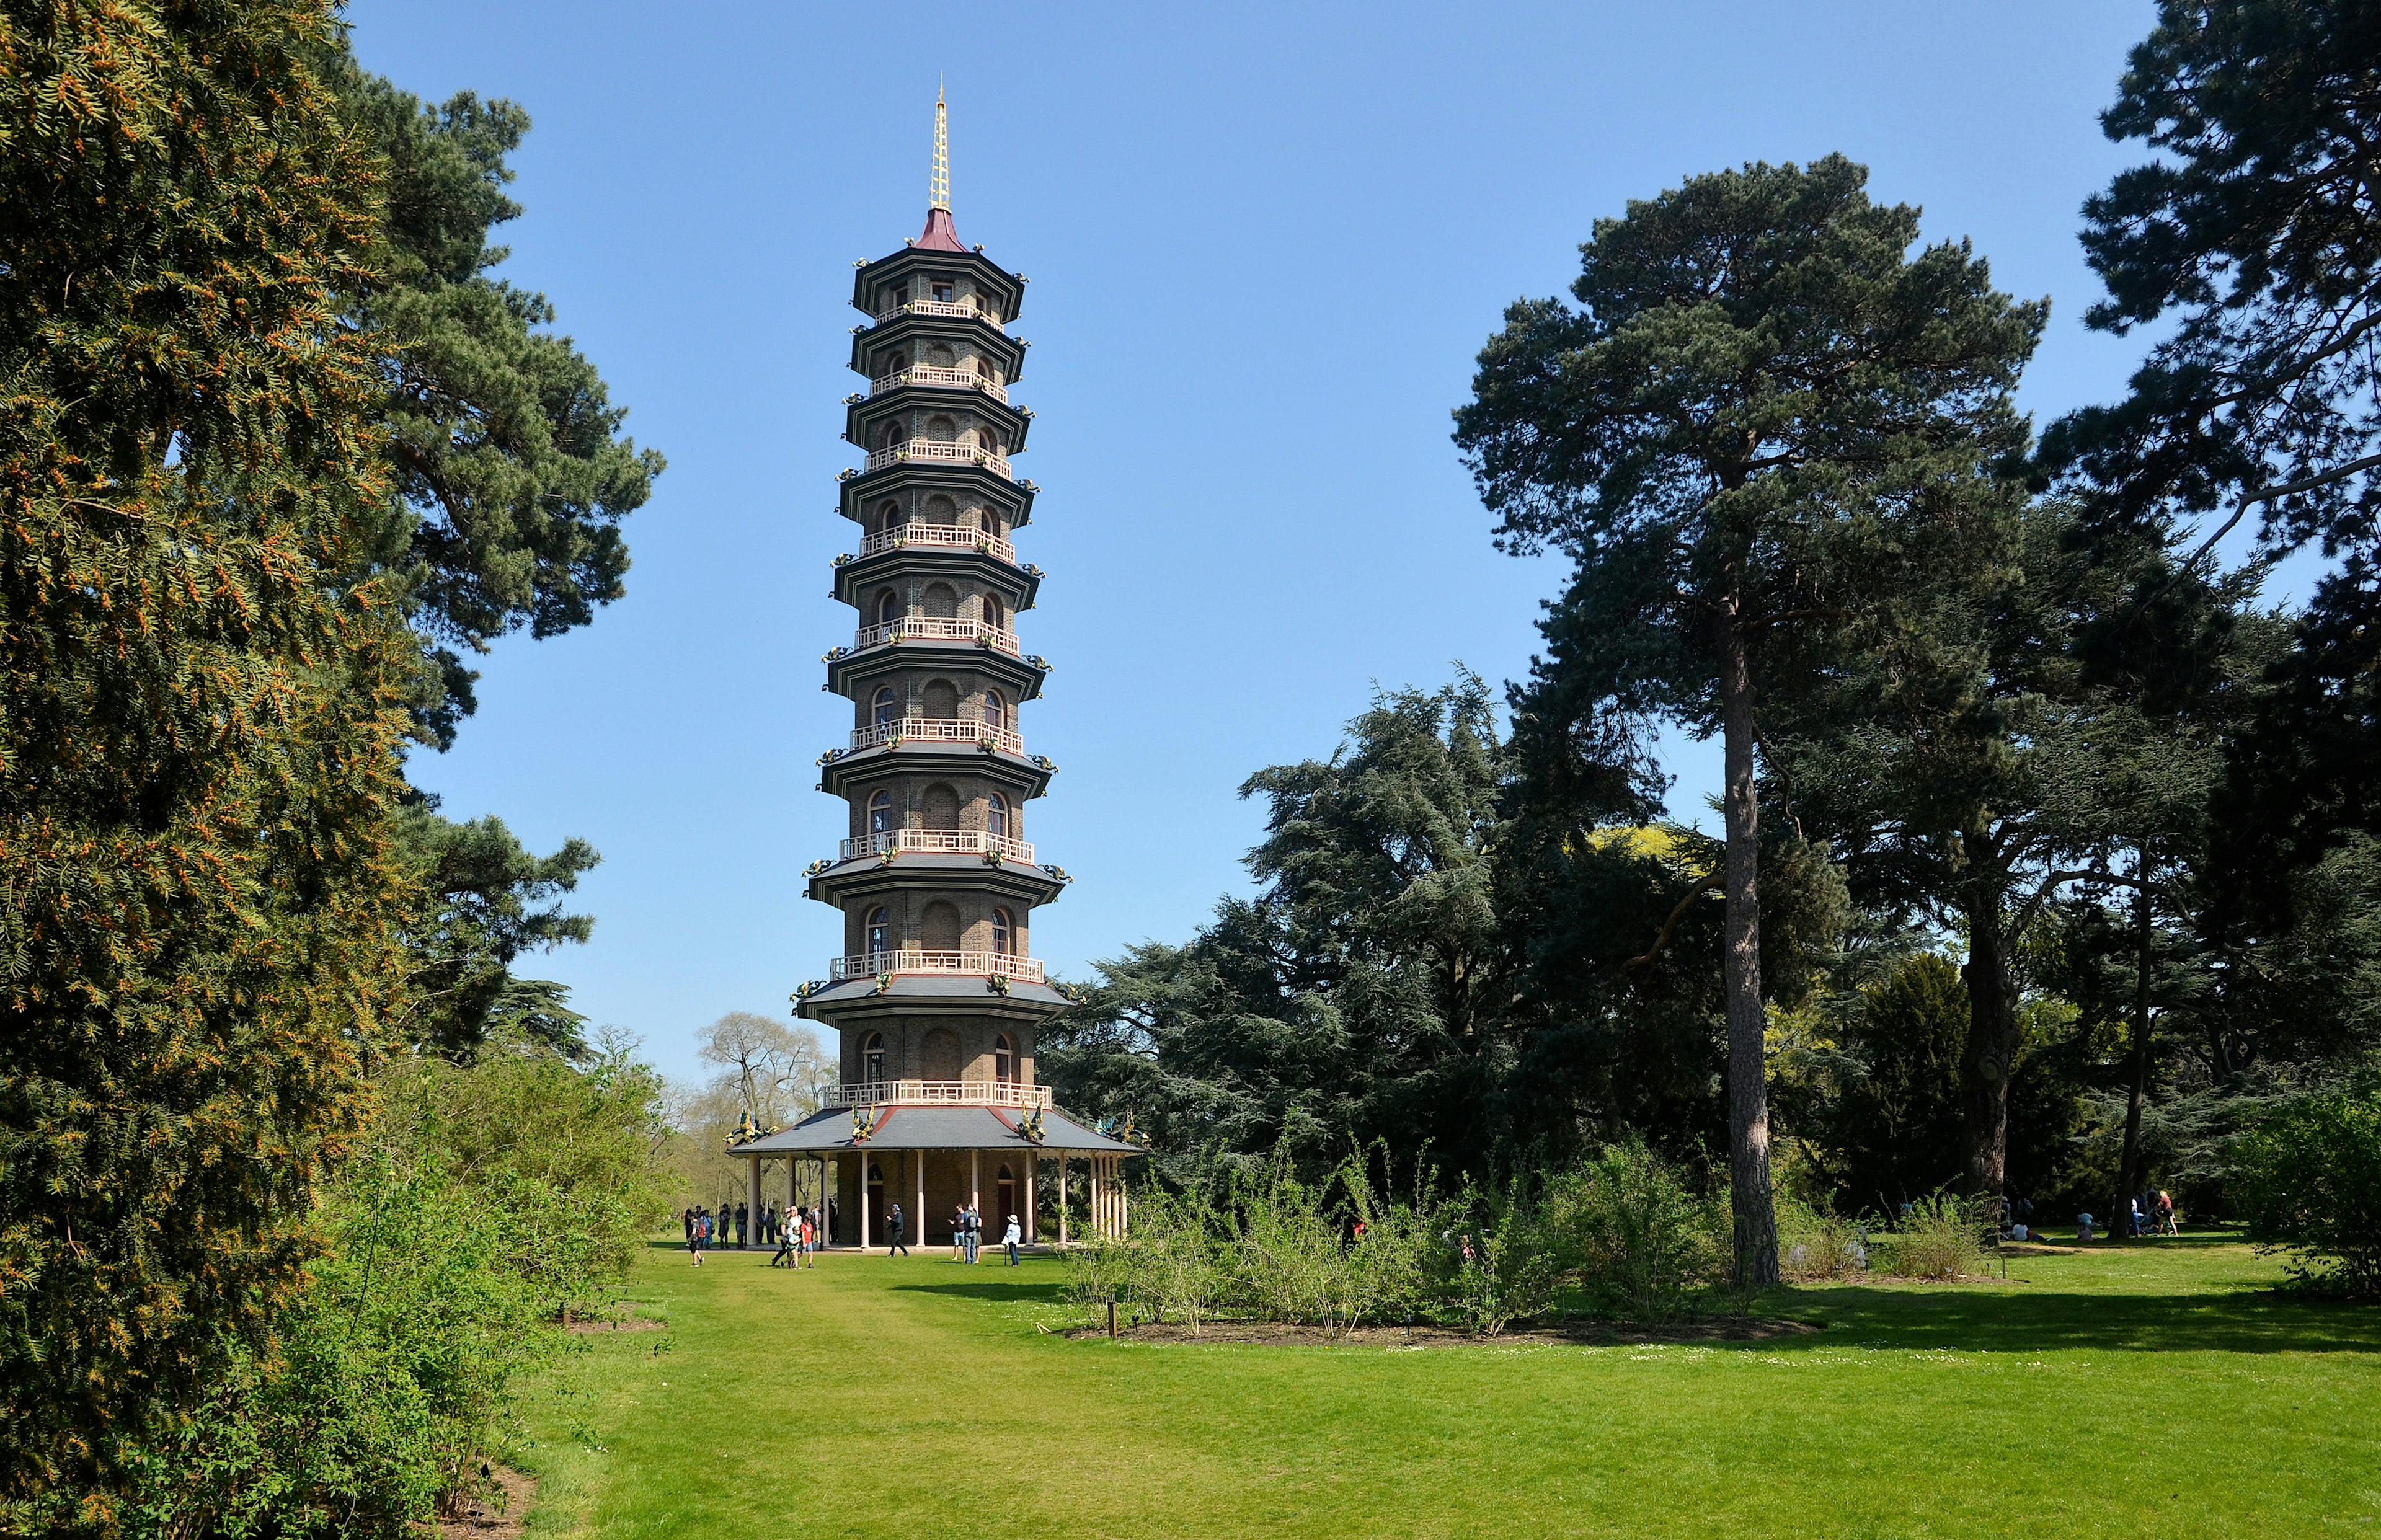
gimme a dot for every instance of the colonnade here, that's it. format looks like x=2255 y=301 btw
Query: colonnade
x=1107 y=1203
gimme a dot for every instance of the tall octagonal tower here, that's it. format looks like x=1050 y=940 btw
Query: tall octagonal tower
x=936 y=998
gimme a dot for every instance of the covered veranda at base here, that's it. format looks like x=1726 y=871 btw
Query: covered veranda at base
x=932 y=1160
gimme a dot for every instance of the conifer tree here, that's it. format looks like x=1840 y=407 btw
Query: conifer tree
x=201 y=697
x=1763 y=411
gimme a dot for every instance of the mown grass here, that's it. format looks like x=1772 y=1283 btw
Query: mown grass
x=2157 y=1390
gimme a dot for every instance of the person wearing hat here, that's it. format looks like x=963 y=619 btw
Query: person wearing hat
x=1011 y=1239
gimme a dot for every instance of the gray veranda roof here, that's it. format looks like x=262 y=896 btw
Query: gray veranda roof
x=934 y=1128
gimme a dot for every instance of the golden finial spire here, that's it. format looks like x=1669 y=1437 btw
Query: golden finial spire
x=938 y=191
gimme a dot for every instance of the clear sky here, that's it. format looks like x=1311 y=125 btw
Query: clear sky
x=1264 y=244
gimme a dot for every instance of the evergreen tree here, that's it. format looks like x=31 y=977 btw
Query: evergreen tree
x=1763 y=411
x=2253 y=241
x=196 y=769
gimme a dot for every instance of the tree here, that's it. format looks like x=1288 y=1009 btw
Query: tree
x=507 y=481
x=1763 y=413
x=487 y=900
x=203 y=690
x=773 y=1073
x=1902 y=1131
x=1361 y=992
x=2253 y=240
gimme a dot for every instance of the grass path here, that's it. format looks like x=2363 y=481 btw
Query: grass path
x=2150 y=1392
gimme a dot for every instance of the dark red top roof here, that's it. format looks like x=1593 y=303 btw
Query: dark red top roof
x=939 y=236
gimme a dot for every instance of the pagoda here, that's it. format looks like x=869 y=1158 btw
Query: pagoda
x=937 y=999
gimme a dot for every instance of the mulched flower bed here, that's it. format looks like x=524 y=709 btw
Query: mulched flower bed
x=1598 y=1333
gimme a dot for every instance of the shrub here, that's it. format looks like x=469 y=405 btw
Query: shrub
x=1815 y=1242
x=1640 y=1238
x=1170 y=1264
x=2308 y=1181
x=1939 y=1236
x=1510 y=1261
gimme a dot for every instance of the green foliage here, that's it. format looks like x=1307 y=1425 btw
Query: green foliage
x=1642 y=1240
x=196 y=767
x=1938 y=1235
x=490 y=1198
x=2308 y=1179
x=485 y=899
x=1899 y=1130
x=1814 y=1242
x=1360 y=991
x=508 y=482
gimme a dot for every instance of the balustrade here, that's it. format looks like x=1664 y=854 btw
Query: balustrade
x=940 y=1093
x=964 y=842
x=869 y=965
x=936 y=730
x=940 y=451
x=921 y=628
x=952 y=536
x=946 y=379
x=961 y=310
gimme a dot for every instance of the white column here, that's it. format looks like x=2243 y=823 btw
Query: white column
x=918 y=1225
x=975 y=1179
x=1033 y=1180
x=864 y=1215
x=752 y=1202
x=1063 y=1164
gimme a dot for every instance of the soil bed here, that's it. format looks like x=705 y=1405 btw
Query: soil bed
x=482 y=1519
x=1605 y=1333
x=626 y=1320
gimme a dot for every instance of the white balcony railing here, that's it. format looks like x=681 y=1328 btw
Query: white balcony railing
x=939 y=451
x=962 y=310
x=942 y=842
x=943 y=379
x=868 y=965
x=939 y=1094
x=922 y=627
x=936 y=730
x=959 y=537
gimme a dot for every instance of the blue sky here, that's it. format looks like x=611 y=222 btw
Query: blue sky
x=1264 y=244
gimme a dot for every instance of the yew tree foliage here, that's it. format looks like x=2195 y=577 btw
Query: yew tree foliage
x=196 y=773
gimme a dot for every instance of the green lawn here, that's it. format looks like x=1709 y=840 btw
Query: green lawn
x=2152 y=1391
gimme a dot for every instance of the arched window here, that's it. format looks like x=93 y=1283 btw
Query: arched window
x=992 y=612
x=872 y=1057
x=890 y=434
x=941 y=602
x=888 y=607
x=1004 y=932
x=885 y=709
x=996 y=711
x=880 y=820
x=942 y=429
x=880 y=940
x=996 y=817
x=1004 y=1060
x=888 y=516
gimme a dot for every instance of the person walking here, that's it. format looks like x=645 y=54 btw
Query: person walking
x=893 y=1233
x=974 y=1235
x=693 y=1230
x=785 y=1248
x=959 y=1233
x=687 y=1218
x=743 y=1227
x=1011 y=1239
x=810 y=1240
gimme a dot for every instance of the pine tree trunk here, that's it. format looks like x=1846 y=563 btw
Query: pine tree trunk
x=1992 y=1047
x=2128 y=1166
x=1748 y=1083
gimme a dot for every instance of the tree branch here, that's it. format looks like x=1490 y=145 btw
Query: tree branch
x=1662 y=940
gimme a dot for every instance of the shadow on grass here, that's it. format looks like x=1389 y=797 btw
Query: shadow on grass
x=2031 y=1319
x=1003 y=1292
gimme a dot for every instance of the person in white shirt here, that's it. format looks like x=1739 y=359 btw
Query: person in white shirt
x=1011 y=1239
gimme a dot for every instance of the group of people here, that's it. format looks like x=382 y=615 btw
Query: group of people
x=2150 y=1212
x=798 y=1241
x=967 y=1234
x=797 y=1233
